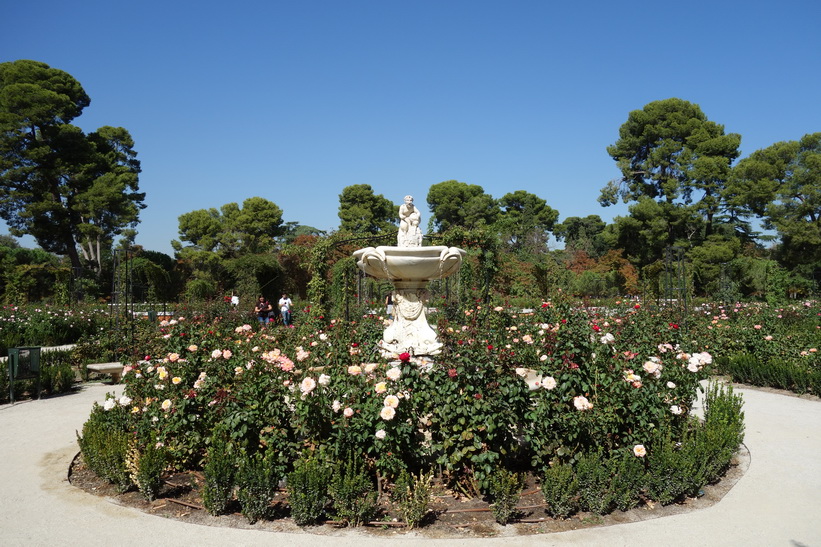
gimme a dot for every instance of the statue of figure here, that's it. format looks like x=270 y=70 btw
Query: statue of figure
x=410 y=234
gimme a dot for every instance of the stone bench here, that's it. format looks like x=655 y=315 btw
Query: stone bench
x=114 y=369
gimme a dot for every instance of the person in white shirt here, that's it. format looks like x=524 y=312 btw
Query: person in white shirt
x=285 y=309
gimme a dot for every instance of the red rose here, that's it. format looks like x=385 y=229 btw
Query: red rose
x=452 y=373
x=404 y=356
x=637 y=306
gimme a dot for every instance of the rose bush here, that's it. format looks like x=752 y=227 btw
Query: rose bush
x=508 y=390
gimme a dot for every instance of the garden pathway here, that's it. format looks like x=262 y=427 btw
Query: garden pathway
x=776 y=502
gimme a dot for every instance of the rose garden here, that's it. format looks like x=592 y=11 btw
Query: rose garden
x=316 y=424
x=479 y=365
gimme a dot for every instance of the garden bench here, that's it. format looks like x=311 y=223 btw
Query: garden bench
x=114 y=369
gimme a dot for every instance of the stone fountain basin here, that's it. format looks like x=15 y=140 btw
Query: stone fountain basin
x=415 y=264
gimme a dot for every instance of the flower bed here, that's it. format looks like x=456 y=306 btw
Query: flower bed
x=45 y=326
x=601 y=402
x=766 y=345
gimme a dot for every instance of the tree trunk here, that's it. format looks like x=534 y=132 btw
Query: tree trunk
x=74 y=256
x=99 y=258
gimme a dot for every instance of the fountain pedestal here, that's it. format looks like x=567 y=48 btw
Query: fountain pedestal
x=410 y=269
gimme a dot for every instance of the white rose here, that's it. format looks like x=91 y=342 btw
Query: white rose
x=581 y=403
x=387 y=413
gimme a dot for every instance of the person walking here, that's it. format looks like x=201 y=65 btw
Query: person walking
x=285 y=309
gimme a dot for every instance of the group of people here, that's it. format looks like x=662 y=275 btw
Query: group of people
x=265 y=312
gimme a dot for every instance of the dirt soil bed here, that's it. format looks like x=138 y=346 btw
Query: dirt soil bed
x=451 y=516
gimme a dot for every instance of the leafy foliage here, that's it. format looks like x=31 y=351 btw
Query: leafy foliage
x=560 y=488
x=105 y=444
x=362 y=211
x=257 y=482
x=219 y=471
x=455 y=203
x=308 y=490
x=413 y=495
x=504 y=490
x=352 y=494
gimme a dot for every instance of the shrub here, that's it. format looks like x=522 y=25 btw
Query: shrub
x=505 y=489
x=146 y=468
x=723 y=429
x=594 y=478
x=104 y=445
x=219 y=472
x=560 y=488
x=672 y=468
x=776 y=373
x=353 y=494
x=4 y=383
x=257 y=482
x=56 y=373
x=307 y=487
x=413 y=495
x=607 y=379
x=628 y=479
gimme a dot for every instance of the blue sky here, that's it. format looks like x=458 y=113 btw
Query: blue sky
x=293 y=101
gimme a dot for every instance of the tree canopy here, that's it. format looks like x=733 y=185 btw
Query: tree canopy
x=233 y=230
x=582 y=234
x=453 y=203
x=669 y=151
x=782 y=184
x=362 y=211
x=525 y=220
x=230 y=247
x=62 y=186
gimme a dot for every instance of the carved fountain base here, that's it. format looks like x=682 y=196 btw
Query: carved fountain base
x=410 y=332
x=410 y=269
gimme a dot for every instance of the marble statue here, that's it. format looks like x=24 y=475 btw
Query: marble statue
x=410 y=234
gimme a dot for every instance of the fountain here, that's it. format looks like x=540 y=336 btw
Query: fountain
x=409 y=266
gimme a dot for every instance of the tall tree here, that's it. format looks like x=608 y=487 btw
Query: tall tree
x=582 y=234
x=669 y=151
x=231 y=248
x=362 y=211
x=649 y=228
x=455 y=203
x=525 y=220
x=233 y=230
x=61 y=186
x=782 y=184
